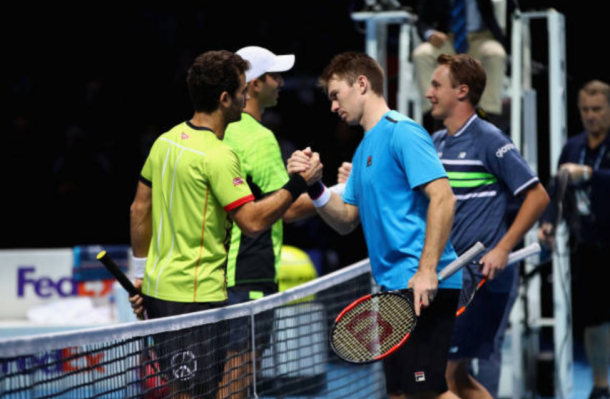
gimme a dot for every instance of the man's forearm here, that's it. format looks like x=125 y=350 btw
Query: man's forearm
x=337 y=214
x=141 y=233
x=300 y=209
x=255 y=217
x=140 y=221
x=439 y=222
x=536 y=200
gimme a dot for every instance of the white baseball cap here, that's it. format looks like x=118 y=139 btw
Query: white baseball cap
x=262 y=61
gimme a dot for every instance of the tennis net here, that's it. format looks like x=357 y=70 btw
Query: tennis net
x=273 y=347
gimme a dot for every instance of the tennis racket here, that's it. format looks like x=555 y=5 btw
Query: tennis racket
x=473 y=284
x=376 y=325
x=152 y=378
x=117 y=273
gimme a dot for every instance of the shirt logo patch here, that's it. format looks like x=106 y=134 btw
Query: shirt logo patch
x=420 y=376
x=184 y=365
x=237 y=181
x=462 y=155
x=454 y=349
x=504 y=149
x=185 y=136
x=369 y=160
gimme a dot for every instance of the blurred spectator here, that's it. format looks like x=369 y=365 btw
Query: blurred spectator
x=586 y=160
x=463 y=26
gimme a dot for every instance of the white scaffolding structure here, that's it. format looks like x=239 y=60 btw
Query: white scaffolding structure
x=408 y=100
x=525 y=136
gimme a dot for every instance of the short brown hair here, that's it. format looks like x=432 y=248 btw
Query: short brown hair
x=211 y=74
x=596 y=87
x=465 y=70
x=349 y=66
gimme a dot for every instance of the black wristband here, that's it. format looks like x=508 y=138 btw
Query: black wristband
x=295 y=186
x=315 y=190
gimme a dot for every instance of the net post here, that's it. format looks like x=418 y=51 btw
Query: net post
x=253 y=337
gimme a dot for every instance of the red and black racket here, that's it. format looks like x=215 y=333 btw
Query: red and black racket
x=376 y=325
x=474 y=283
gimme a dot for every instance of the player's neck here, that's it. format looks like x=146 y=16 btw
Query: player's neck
x=458 y=119
x=214 y=121
x=374 y=110
x=594 y=140
x=254 y=108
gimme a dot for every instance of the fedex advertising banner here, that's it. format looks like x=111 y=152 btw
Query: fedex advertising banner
x=36 y=277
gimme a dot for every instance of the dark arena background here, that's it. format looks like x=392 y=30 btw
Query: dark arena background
x=85 y=91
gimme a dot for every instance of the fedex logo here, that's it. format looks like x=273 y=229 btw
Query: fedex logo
x=45 y=287
x=59 y=361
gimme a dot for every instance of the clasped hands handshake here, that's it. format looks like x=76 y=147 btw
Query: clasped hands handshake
x=301 y=162
x=306 y=163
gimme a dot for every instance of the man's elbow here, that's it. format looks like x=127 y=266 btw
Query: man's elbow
x=291 y=216
x=545 y=196
x=252 y=228
x=344 y=230
x=542 y=196
x=137 y=209
x=446 y=201
x=346 y=227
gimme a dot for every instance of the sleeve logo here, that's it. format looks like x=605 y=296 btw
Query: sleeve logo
x=504 y=149
x=237 y=181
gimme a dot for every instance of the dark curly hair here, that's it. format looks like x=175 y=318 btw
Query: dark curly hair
x=211 y=74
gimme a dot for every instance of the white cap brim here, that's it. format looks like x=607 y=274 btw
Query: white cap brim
x=282 y=63
x=263 y=61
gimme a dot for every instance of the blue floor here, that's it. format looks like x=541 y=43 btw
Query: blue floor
x=583 y=379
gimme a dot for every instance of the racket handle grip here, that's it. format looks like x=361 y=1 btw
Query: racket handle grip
x=523 y=253
x=117 y=273
x=460 y=262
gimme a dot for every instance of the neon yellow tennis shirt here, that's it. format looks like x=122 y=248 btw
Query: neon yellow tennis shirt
x=196 y=179
x=255 y=260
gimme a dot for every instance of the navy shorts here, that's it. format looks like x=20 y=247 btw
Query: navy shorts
x=419 y=365
x=476 y=329
x=240 y=336
x=192 y=359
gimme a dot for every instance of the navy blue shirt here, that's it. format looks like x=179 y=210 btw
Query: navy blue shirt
x=485 y=169
x=594 y=227
x=394 y=158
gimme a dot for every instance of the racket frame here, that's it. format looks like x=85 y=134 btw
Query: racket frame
x=370 y=297
x=513 y=258
x=449 y=270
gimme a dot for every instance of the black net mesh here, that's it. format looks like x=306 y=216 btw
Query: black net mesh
x=282 y=351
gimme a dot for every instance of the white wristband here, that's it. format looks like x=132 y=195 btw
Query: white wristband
x=139 y=266
x=338 y=188
x=322 y=199
x=585 y=173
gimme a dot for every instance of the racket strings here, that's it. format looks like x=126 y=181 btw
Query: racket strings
x=362 y=335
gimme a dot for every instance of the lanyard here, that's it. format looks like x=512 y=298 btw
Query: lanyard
x=598 y=161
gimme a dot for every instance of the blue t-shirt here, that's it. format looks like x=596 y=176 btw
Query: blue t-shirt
x=394 y=158
x=485 y=169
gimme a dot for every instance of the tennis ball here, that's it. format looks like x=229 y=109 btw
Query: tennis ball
x=295 y=269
